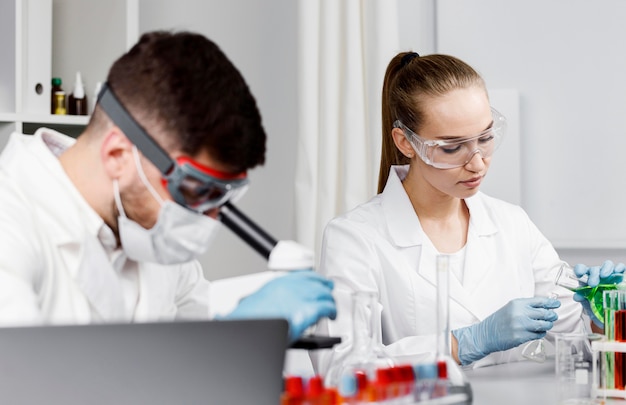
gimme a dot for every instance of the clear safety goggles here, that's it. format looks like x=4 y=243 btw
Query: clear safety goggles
x=448 y=154
x=191 y=184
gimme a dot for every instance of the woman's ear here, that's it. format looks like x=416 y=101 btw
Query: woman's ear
x=402 y=143
x=116 y=152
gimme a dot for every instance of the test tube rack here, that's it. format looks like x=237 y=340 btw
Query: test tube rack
x=598 y=348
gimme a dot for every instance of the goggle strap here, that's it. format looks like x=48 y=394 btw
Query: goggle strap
x=131 y=128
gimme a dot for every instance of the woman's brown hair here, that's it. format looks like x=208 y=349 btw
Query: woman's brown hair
x=410 y=80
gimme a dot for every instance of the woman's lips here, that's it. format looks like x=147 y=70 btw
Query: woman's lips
x=473 y=182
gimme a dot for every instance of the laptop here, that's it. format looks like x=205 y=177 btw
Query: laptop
x=207 y=362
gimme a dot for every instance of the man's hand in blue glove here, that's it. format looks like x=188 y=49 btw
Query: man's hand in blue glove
x=607 y=273
x=301 y=297
x=519 y=321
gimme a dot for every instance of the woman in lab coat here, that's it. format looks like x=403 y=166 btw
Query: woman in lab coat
x=439 y=134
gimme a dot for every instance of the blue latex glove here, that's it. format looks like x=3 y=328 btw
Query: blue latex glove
x=519 y=321
x=301 y=297
x=607 y=273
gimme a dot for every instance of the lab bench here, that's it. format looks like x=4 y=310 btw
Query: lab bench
x=518 y=383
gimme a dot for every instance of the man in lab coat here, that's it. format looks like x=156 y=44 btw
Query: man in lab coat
x=106 y=228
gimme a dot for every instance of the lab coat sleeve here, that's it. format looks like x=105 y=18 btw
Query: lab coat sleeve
x=20 y=260
x=192 y=293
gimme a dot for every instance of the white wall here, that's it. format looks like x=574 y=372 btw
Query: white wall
x=89 y=52
x=562 y=59
x=260 y=38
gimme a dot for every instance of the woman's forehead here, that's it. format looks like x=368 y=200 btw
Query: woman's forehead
x=462 y=112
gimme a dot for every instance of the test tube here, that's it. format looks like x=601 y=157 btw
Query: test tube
x=616 y=304
x=443 y=292
x=611 y=304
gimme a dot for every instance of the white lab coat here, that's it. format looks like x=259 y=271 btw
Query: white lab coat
x=380 y=246
x=53 y=268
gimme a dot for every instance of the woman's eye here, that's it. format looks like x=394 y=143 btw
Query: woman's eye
x=451 y=149
x=486 y=138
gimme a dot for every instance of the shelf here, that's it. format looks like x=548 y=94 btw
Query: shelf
x=598 y=347
x=608 y=346
x=45 y=119
x=42 y=39
x=608 y=393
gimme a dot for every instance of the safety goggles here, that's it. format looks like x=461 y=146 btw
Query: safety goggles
x=448 y=154
x=191 y=184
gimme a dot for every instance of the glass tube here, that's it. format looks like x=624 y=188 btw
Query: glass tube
x=455 y=381
x=365 y=352
x=443 y=314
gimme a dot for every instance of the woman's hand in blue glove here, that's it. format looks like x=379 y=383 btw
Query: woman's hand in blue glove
x=301 y=297
x=519 y=321
x=607 y=273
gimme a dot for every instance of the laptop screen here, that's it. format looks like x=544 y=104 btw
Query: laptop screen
x=208 y=362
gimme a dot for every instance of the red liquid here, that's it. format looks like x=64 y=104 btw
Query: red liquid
x=620 y=358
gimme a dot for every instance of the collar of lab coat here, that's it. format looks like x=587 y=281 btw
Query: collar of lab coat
x=406 y=231
x=75 y=223
x=404 y=226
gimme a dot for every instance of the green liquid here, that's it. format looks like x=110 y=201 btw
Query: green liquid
x=595 y=297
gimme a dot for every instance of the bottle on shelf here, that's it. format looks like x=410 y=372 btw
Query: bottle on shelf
x=59 y=106
x=54 y=99
x=77 y=101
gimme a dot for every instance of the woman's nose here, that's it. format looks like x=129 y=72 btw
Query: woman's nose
x=475 y=162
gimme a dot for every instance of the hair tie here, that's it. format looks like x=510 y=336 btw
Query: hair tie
x=407 y=58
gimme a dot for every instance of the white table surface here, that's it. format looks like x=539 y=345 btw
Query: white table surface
x=522 y=383
x=519 y=383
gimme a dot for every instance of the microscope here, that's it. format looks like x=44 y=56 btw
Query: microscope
x=281 y=255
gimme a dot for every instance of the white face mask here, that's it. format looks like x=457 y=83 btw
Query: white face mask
x=179 y=235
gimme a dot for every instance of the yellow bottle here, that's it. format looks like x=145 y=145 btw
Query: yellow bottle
x=56 y=87
x=60 y=103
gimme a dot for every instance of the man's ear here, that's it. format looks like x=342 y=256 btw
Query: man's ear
x=402 y=143
x=116 y=152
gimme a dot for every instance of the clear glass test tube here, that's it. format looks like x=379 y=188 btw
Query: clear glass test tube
x=443 y=302
x=615 y=329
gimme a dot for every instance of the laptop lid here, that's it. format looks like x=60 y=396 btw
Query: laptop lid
x=209 y=362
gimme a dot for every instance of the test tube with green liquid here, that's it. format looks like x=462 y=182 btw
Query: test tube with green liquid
x=615 y=329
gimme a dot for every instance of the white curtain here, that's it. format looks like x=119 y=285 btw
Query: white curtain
x=344 y=47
